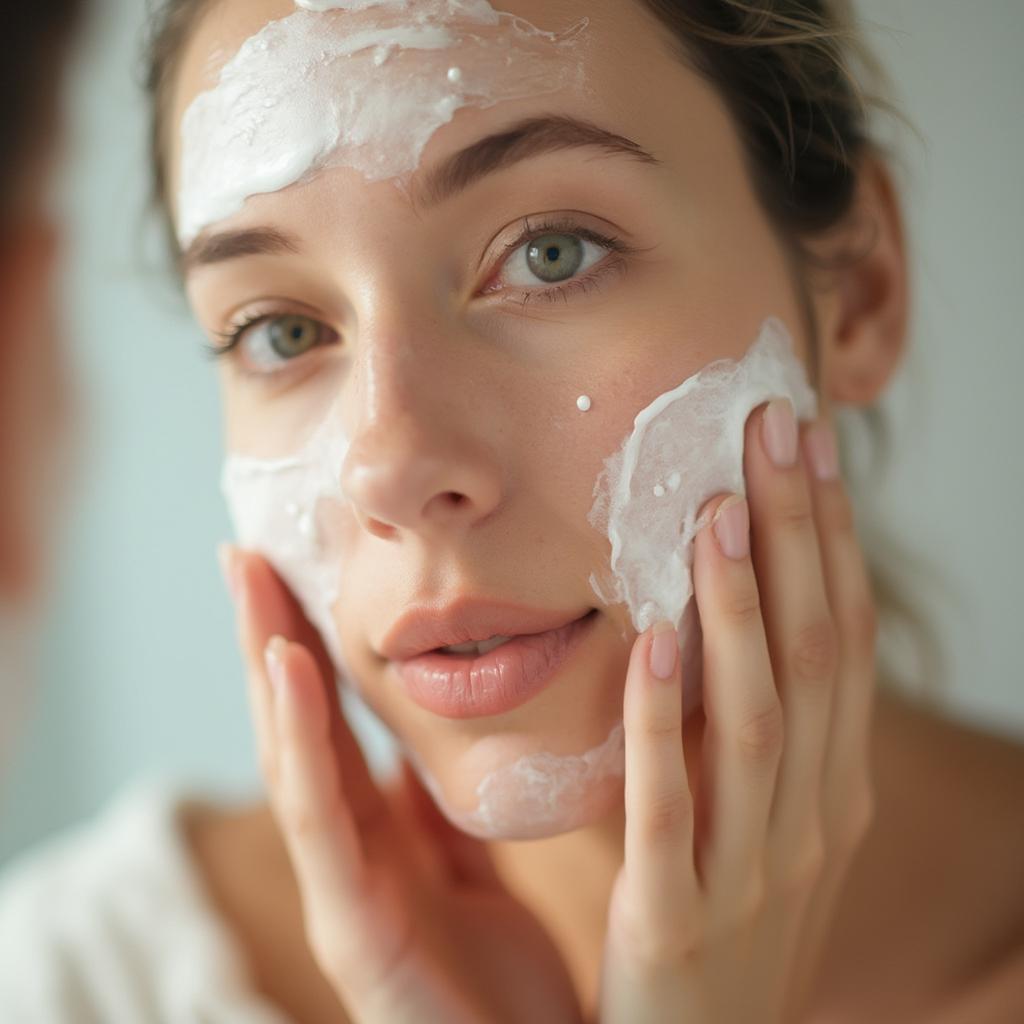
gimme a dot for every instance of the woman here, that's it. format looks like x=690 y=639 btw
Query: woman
x=463 y=354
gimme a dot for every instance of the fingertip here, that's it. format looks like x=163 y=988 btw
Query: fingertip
x=663 y=651
x=273 y=657
x=821 y=451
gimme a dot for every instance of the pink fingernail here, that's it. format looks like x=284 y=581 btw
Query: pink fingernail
x=732 y=527
x=822 y=452
x=780 y=434
x=273 y=655
x=664 y=648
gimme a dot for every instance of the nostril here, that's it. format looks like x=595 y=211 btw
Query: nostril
x=454 y=498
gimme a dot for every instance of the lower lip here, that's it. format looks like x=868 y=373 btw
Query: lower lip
x=474 y=686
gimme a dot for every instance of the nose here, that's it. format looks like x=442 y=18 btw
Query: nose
x=419 y=461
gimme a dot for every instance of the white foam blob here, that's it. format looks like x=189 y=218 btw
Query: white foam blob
x=685 y=447
x=538 y=794
x=365 y=90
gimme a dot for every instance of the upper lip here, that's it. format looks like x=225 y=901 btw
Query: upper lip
x=466 y=620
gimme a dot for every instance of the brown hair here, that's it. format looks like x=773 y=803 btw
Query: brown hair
x=35 y=36
x=793 y=74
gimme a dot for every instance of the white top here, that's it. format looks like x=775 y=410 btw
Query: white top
x=110 y=924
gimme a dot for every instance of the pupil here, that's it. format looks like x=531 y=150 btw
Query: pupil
x=555 y=257
x=292 y=336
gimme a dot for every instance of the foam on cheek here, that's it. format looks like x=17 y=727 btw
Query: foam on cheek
x=365 y=90
x=283 y=509
x=685 y=447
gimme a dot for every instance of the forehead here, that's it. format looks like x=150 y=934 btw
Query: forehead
x=624 y=50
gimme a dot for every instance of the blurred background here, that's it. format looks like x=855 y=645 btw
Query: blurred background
x=140 y=676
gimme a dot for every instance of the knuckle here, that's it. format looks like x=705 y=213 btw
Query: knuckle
x=815 y=656
x=862 y=625
x=268 y=769
x=760 y=736
x=658 y=725
x=793 y=513
x=752 y=902
x=667 y=817
x=742 y=605
x=859 y=820
x=651 y=948
x=841 y=515
x=807 y=866
x=301 y=820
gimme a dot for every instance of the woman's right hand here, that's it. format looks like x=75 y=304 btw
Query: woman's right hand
x=405 y=914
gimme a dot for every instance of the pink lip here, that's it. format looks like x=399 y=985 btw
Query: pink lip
x=470 y=686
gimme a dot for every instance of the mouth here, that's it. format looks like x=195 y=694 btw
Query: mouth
x=493 y=676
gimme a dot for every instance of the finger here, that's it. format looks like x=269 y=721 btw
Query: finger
x=272 y=611
x=802 y=637
x=260 y=704
x=659 y=862
x=845 y=781
x=744 y=718
x=316 y=820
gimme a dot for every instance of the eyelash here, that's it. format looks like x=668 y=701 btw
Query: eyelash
x=619 y=252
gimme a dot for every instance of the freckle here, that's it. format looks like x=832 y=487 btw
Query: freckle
x=659 y=491
x=583 y=403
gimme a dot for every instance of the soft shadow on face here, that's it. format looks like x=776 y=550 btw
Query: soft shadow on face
x=450 y=374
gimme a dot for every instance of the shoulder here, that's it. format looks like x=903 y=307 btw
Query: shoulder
x=935 y=899
x=107 y=923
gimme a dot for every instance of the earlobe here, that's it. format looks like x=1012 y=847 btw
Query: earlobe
x=867 y=331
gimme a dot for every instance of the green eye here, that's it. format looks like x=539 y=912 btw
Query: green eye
x=555 y=257
x=292 y=336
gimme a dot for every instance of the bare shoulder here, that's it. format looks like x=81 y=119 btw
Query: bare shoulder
x=935 y=899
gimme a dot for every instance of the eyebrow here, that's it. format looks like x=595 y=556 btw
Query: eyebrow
x=231 y=245
x=529 y=138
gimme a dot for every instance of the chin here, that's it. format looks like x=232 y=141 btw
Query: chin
x=498 y=791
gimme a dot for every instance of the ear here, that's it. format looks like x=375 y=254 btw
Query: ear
x=863 y=315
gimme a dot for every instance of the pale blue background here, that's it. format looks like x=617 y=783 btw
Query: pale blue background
x=140 y=670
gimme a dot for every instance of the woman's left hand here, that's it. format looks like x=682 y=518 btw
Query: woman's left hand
x=724 y=900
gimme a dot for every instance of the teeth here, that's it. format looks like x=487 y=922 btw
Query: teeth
x=477 y=648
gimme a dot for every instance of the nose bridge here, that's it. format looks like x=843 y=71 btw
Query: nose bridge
x=419 y=458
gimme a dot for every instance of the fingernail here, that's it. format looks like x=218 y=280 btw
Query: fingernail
x=226 y=557
x=822 y=452
x=273 y=655
x=779 y=431
x=664 y=648
x=732 y=527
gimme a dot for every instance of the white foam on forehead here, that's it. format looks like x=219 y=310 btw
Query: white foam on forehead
x=365 y=90
x=685 y=447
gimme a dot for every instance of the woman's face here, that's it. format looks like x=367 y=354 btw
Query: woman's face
x=456 y=357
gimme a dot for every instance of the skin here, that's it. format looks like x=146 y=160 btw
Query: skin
x=380 y=271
